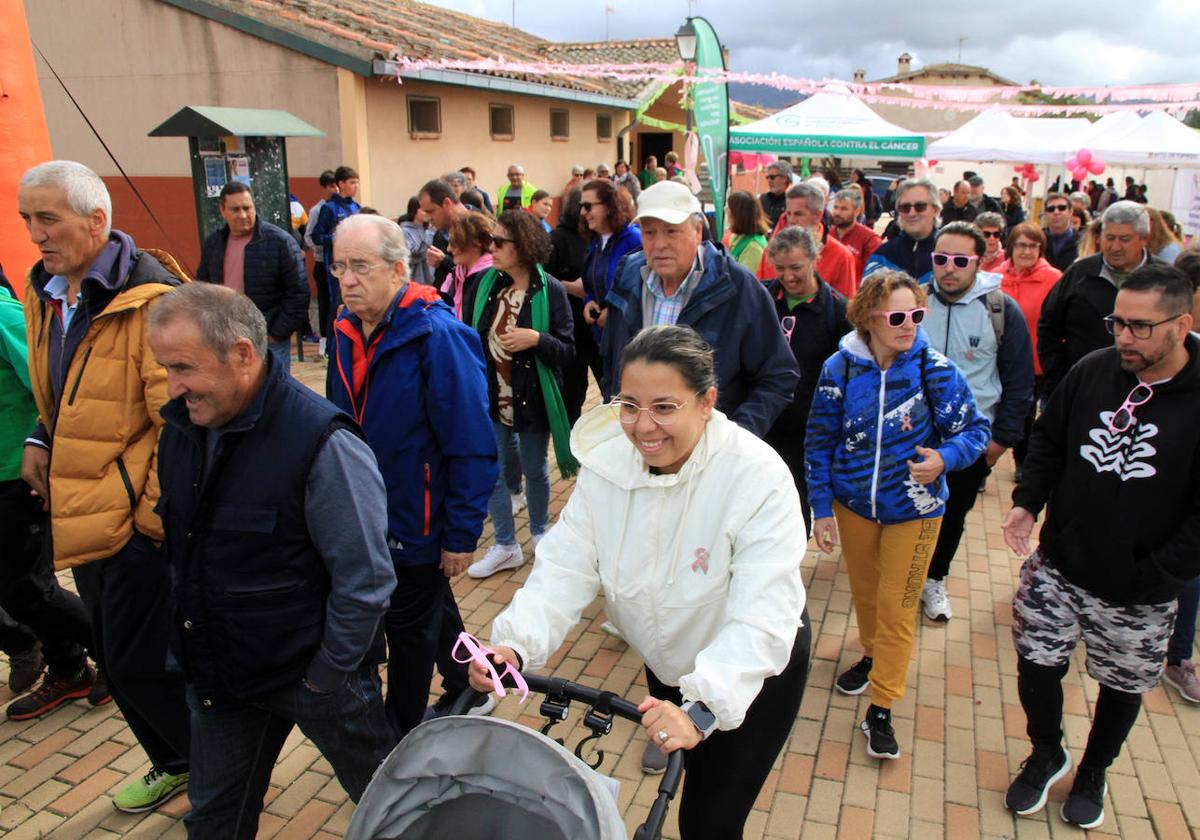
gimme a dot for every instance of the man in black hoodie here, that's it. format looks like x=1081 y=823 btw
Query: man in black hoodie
x=1116 y=457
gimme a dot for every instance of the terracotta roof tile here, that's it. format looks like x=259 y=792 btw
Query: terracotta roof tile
x=368 y=29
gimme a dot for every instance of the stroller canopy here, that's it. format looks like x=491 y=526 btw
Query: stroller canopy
x=481 y=777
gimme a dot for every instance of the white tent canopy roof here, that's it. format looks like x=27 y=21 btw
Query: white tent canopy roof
x=828 y=124
x=1063 y=134
x=1155 y=140
x=995 y=135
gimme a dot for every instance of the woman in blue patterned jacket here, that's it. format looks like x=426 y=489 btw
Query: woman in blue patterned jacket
x=890 y=415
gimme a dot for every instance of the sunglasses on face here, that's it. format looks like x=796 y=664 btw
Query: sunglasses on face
x=500 y=241
x=586 y=206
x=958 y=260
x=897 y=317
x=991 y=234
x=1057 y=208
x=913 y=207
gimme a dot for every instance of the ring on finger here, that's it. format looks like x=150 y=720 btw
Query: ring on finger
x=663 y=736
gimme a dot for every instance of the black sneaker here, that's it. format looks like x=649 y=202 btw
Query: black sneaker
x=1027 y=793
x=51 y=694
x=99 y=694
x=1084 y=806
x=483 y=706
x=25 y=668
x=855 y=680
x=881 y=738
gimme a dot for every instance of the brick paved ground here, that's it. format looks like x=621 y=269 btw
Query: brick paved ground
x=960 y=727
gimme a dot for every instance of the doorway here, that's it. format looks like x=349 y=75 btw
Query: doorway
x=656 y=143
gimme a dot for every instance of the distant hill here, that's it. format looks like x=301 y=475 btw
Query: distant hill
x=763 y=95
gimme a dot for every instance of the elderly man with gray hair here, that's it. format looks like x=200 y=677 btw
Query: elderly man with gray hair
x=911 y=250
x=276 y=533
x=517 y=193
x=413 y=375
x=1072 y=320
x=774 y=200
x=806 y=209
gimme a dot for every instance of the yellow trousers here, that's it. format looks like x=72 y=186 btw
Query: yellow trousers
x=887 y=566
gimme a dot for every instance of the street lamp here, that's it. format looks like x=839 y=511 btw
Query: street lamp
x=685 y=41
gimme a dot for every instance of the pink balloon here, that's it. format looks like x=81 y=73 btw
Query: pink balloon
x=933 y=163
x=1073 y=163
x=1020 y=168
x=1079 y=173
x=1096 y=166
x=1034 y=176
x=1084 y=156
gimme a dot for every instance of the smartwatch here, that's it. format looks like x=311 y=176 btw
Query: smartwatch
x=702 y=718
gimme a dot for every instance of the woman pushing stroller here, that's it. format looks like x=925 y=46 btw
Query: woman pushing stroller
x=691 y=527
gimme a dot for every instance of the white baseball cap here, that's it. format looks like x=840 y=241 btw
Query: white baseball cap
x=670 y=201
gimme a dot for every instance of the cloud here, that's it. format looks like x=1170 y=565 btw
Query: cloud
x=1102 y=42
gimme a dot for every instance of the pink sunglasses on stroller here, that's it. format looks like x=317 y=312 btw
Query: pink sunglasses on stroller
x=469 y=649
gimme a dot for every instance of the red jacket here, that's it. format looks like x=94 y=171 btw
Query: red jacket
x=861 y=241
x=1029 y=289
x=836 y=266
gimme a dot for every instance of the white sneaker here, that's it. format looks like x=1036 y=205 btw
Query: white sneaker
x=935 y=601
x=497 y=559
x=484 y=707
x=518 y=502
x=611 y=629
x=534 y=540
x=321 y=350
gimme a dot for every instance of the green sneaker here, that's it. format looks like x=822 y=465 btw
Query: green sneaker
x=150 y=791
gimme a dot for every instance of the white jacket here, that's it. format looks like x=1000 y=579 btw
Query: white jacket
x=700 y=569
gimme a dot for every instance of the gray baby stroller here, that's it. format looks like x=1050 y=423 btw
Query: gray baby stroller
x=481 y=778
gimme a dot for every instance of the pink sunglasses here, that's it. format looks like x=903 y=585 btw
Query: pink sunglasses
x=469 y=649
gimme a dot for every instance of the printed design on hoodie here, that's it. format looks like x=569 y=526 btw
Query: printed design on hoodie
x=1124 y=453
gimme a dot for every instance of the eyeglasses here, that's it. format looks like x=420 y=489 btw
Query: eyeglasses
x=1140 y=329
x=500 y=241
x=897 y=317
x=788 y=323
x=586 y=206
x=991 y=234
x=1022 y=245
x=360 y=267
x=663 y=413
x=1057 y=208
x=959 y=260
x=771 y=177
x=913 y=207
x=1123 y=418
x=469 y=649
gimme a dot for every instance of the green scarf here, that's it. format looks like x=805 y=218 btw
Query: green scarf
x=556 y=412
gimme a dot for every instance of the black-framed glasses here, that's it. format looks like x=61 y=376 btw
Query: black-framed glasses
x=1057 y=208
x=586 y=206
x=1123 y=418
x=1140 y=329
x=959 y=260
x=500 y=241
x=991 y=234
x=771 y=177
x=913 y=207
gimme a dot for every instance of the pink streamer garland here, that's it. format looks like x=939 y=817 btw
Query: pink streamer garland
x=1163 y=97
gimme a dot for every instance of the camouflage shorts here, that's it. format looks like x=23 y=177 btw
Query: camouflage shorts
x=1126 y=645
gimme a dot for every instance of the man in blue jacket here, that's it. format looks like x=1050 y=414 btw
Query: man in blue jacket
x=983 y=331
x=917 y=208
x=679 y=278
x=413 y=376
x=341 y=205
x=262 y=261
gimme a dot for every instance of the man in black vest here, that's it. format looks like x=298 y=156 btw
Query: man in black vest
x=276 y=523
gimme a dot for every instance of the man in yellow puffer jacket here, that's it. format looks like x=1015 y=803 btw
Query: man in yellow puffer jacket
x=92 y=457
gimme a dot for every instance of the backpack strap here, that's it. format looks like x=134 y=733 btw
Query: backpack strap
x=995 y=304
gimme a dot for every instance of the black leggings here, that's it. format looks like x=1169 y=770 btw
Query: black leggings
x=963 y=486
x=726 y=771
x=1040 y=689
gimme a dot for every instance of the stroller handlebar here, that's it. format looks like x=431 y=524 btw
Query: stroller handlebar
x=565 y=691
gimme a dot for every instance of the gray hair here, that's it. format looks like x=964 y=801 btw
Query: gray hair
x=1127 y=213
x=681 y=347
x=783 y=166
x=855 y=197
x=392 y=248
x=930 y=187
x=223 y=316
x=795 y=238
x=84 y=189
x=812 y=194
x=458 y=179
x=517 y=167
x=989 y=218
x=1080 y=198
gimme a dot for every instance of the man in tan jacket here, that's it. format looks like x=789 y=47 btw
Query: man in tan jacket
x=92 y=457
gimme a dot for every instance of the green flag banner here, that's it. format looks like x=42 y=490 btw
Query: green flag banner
x=711 y=106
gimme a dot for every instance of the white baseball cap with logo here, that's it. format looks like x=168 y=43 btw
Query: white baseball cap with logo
x=669 y=201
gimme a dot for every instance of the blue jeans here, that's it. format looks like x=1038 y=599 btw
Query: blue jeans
x=532 y=448
x=512 y=466
x=1183 y=637
x=235 y=747
x=282 y=351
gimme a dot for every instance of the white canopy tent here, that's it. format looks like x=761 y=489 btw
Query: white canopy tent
x=1157 y=140
x=1063 y=134
x=994 y=135
x=825 y=124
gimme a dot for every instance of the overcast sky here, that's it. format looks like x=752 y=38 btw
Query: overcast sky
x=1058 y=43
